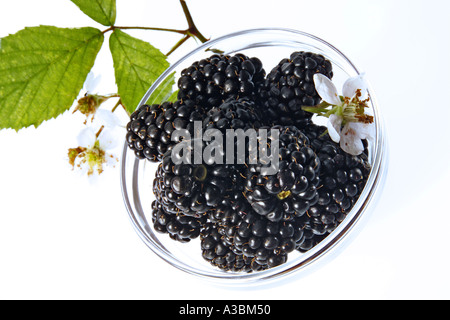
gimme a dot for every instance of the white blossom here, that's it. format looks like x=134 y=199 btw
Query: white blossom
x=347 y=122
x=94 y=152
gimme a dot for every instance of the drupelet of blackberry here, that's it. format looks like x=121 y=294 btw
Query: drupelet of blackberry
x=290 y=85
x=212 y=80
x=293 y=189
x=149 y=131
x=167 y=219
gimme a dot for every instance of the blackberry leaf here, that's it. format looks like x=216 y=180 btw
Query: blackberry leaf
x=137 y=65
x=42 y=70
x=102 y=11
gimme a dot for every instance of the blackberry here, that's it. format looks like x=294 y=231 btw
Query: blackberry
x=262 y=243
x=290 y=85
x=233 y=114
x=167 y=219
x=293 y=189
x=239 y=115
x=196 y=188
x=218 y=253
x=150 y=127
x=180 y=227
x=342 y=179
x=265 y=243
x=212 y=80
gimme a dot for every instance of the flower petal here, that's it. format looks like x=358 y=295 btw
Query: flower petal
x=108 y=139
x=86 y=138
x=107 y=118
x=326 y=89
x=91 y=83
x=350 y=140
x=334 y=127
x=353 y=84
x=362 y=130
x=366 y=130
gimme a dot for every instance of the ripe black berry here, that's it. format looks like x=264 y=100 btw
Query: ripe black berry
x=212 y=80
x=196 y=188
x=265 y=244
x=150 y=128
x=290 y=85
x=180 y=227
x=219 y=253
x=167 y=218
x=293 y=189
x=342 y=179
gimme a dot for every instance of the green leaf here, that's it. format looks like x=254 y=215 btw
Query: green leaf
x=42 y=70
x=102 y=11
x=137 y=65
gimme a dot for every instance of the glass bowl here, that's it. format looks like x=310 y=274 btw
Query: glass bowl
x=270 y=46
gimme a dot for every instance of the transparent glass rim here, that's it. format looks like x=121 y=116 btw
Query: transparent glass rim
x=376 y=178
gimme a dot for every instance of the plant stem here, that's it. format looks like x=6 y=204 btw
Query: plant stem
x=178 y=44
x=145 y=28
x=119 y=103
x=190 y=32
x=112 y=95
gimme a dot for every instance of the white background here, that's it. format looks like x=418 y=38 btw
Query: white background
x=62 y=237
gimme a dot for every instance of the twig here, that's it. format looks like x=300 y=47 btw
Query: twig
x=178 y=44
x=190 y=32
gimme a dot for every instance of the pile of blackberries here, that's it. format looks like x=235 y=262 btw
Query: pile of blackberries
x=247 y=221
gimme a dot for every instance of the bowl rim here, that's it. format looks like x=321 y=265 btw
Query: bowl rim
x=378 y=171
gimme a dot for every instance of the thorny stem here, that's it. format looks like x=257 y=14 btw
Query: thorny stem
x=190 y=32
x=193 y=31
